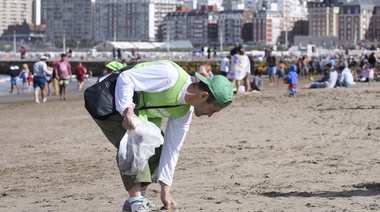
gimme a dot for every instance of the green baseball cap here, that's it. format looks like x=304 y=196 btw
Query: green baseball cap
x=115 y=66
x=220 y=87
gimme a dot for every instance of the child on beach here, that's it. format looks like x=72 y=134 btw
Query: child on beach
x=292 y=80
x=281 y=73
x=30 y=81
x=24 y=75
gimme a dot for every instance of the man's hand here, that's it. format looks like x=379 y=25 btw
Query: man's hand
x=166 y=197
x=128 y=116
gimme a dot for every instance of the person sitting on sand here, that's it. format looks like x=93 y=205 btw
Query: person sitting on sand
x=257 y=83
x=328 y=81
x=345 y=79
x=367 y=74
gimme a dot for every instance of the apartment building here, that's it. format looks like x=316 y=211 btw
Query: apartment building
x=373 y=33
x=323 y=18
x=14 y=12
x=267 y=27
x=69 y=19
x=198 y=26
x=132 y=20
x=175 y=24
x=230 y=26
x=295 y=16
x=217 y=3
x=354 y=20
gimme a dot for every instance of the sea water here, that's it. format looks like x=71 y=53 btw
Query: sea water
x=5 y=85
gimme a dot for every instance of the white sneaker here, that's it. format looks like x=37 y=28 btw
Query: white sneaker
x=146 y=206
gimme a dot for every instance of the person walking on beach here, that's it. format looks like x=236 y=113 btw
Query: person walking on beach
x=292 y=80
x=30 y=81
x=64 y=76
x=281 y=72
x=80 y=72
x=49 y=78
x=24 y=75
x=305 y=68
x=240 y=69
x=271 y=64
x=224 y=65
x=14 y=71
x=161 y=83
x=39 y=79
x=54 y=77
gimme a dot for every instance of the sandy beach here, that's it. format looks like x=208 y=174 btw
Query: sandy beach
x=265 y=152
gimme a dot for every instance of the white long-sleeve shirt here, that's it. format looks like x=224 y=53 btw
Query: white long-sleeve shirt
x=347 y=77
x=156 y=78
x=40 y=69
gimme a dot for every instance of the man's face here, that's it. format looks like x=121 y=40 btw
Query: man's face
x=204 y=108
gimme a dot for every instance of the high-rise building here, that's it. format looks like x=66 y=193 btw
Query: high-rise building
x=39 y=12
x=236 y=4
x=68 y=20
x=14 y=12
x=198 y=26
x=267 y=27
x=231 y=23
x=323 y=18
x=354 y=21
x=218 y=3
x=132 y=20
x=295 y=14
x=374 y=25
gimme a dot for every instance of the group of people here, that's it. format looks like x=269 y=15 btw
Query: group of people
x=236 y=67
x=44 y=75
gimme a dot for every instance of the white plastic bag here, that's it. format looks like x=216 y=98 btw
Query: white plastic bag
x=137 y=146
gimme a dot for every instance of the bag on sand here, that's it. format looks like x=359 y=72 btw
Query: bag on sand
x=137 y=146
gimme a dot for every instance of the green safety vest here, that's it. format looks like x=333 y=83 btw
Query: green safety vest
x=164 y=98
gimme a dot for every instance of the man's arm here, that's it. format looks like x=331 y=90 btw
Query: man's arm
x=175 y=134
x=69 y=67
x=46 y=70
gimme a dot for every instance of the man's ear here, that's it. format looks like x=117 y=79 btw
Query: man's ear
x=205 y=95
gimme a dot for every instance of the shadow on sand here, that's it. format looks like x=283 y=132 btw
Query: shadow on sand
x=366 y=189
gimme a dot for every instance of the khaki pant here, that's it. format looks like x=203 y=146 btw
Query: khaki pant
x=55 y=84
x=114 y=132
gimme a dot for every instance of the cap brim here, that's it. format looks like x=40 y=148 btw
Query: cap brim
x=202 y=78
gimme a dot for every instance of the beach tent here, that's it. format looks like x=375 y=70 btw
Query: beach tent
x=178 y=44
x=126 y=45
